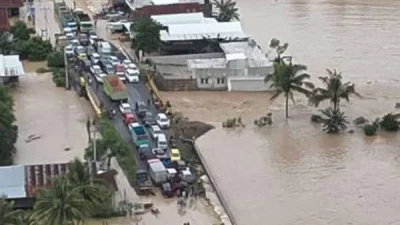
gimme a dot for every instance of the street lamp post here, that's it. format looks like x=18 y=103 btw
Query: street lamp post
x=45 y=19
x=66 y=71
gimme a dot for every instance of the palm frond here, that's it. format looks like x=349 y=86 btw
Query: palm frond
x=275 y=95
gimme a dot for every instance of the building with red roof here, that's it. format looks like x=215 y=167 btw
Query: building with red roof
x=6 y=7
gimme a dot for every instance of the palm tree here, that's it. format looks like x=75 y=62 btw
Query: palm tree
x=227 y=10
x=286 y=79
x=334 y=90
x=92 y=190
x=279 y=49
x=333 y=120
x=8 y=215
x=61 y=205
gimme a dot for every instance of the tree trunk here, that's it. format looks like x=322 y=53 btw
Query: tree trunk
x=287 y=105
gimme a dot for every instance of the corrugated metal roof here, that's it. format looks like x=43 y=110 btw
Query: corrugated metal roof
x=228 y=30
x=12 y=181
x=180 y=18
x=10 y=65
x=4 y=24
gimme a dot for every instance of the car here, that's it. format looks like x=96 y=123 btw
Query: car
x=120 y=72
x=129 y=118
x=125 y=108
x=163 y=121
x=109 y=69
x=179 y=165
x=125 y=62
x=93 y=38
x=94 y=57
x=149 y=119
x=83 y=39
x=155 y=130
x=99 y=76
x=69 y=35
x=162 y=141
x=86 y=64
x=160 y=153
x=145 y=153
x=175 y=155
x=69 y=50
x=113 y=60
x=95 y=69
x=132 y=75
x=141 y=109
x=166 y=190
x=75 y=43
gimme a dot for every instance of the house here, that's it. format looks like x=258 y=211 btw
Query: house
x=241 y=66
x=19 y=183
x=10 y=69
x=159 y=7
x=8 y=8
x=199 y=37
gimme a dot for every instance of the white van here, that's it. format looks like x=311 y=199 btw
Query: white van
x=162 y=142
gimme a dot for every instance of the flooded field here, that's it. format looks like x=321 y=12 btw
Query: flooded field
x=53 y=118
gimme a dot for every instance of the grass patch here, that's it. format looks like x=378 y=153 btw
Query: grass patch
x=43 y=70
x=122 y=151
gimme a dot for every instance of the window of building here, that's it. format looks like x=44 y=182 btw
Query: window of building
x=204 y=80
x=220 y=80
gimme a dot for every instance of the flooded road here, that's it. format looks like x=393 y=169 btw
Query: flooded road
x=292 y=173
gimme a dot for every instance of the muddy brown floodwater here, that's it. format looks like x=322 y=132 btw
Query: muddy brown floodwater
x=291 y=173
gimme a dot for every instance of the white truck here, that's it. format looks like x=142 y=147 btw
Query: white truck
x=157 y=171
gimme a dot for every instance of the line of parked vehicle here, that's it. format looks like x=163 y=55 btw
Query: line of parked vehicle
x=104 y=63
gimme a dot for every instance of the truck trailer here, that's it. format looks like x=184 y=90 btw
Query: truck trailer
x=114 y=88
x=85 y=24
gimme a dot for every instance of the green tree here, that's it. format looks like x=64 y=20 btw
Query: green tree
x=20 y=31
x=36 y=49
x=279 y=49
x=286 y=79
x=147 y=35
x=93 y=190
x=55 y=59
x=227 y=10
x=6 y=43
x=389 y=122
x=61 y=205
x=333 y=120
x=8 y=131
x=8 y=215
x=335 y=90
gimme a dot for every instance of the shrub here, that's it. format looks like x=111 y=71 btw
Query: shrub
x=55 y=59
x=389 y=122
x=58 y=79
x=124 y=152
x=42 y=70
x=370 y=129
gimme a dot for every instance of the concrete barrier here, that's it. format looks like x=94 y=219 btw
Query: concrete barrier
x=93 y=100
x=214 y=184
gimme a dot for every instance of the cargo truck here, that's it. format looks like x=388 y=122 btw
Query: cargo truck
x=157 y=171
x=85 y=24
x=114 y=88
x=64 y=15
x=144 y=184
x=139 y=134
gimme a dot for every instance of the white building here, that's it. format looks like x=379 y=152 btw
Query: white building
x=243 y=68
x=10 y=69
x=182 y=18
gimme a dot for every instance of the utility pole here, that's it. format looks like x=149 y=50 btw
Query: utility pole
x=66 y=71
x=45 y=8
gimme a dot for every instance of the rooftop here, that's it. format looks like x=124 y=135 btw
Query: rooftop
x=218 y=63
x=169 y=2
x=198 y=31
x=253 y=53
x=181 y=60
x=182 y=18
x=10 y=65
x=4 y=24
x=12 y=183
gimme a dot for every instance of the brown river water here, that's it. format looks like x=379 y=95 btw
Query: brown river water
x=292 y=173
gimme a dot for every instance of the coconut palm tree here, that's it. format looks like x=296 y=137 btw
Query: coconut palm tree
x=8 y=215
x=279 y=49
x=62 y=204
x=334 y=90
x=333 y=120
x=93 y=190
x=286 y=79
x=227 y=10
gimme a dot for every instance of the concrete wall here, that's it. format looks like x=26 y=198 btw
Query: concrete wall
x=211 y=78
x=247 y=84
x=175 y=84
